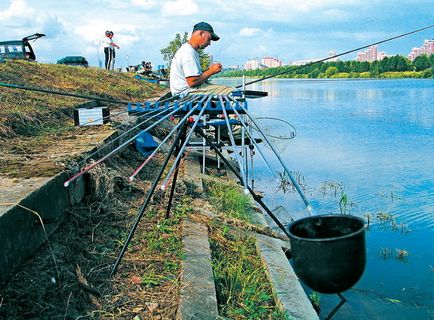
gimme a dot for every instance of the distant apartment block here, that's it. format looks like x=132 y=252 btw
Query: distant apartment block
x=370 y=55
x=271 y=62
x=427 y=48
x=266 y=62
x=252 y=64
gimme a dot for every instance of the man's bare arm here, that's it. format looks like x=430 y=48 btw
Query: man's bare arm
x=198 y=80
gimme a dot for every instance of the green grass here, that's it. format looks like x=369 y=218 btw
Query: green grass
x=243 y=290
x=228 y=198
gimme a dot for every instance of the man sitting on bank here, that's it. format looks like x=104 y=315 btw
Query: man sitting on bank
x=185 y=72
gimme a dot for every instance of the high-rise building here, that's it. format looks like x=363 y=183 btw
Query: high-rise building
x=252 y=64
x=370 y=55
x=271 y=62
x=427 y=48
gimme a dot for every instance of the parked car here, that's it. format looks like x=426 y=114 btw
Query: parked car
x=19 y=49
x=74 y=61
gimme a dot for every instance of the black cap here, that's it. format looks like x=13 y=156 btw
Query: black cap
x=206 y=27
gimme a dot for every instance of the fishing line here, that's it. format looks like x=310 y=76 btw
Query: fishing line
x=62 y=93
x=335 y=56
x=75 y=95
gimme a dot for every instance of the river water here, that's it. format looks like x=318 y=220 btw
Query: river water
x=371 y=141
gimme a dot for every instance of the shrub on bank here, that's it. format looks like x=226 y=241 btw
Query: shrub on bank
x=403 y=74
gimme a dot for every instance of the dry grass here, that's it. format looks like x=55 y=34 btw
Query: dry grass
x=26 y=112
x=86 y=245
x=37 y=133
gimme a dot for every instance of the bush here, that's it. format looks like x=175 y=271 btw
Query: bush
x=341 y=75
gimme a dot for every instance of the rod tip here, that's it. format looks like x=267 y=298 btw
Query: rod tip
x=246 y=191
x=66 y=184
x=163 y=187
x=131 y=178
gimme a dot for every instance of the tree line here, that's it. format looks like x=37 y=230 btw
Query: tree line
x=173 y=46
x=390 y=67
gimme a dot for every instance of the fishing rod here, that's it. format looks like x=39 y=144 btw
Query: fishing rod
x=335 y=56
x=86 y=169
x=169 y=107
x=68 y=94
x=62 y=93
x=237 y=174
x=294 y=182
x=181 y=122
x=147 y=200
x=81 y=96
x=252 y=139
x=232 y=140
x=181 y=151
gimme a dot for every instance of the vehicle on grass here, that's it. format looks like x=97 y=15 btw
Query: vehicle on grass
x=74 y=61
x=19 y=49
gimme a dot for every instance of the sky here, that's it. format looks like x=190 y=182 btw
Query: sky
x=289 y=30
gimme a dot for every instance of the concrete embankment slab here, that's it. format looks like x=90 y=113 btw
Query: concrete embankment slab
x=23 y=204
x=197 y=282
x=198 y=295
x=23 y=200
x=289 y=294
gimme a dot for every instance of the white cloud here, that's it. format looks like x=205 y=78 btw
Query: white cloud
x=287 y=29
x=92 y=30
x=261 y=49
x=16 y=9
x=180 y=8
x=146 y=4
x=249 y=32
x=23 y=20
x=95 y=30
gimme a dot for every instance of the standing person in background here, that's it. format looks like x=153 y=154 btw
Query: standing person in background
x=109 y=50
x=185 y=72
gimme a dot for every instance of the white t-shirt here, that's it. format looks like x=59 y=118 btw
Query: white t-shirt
x=107 y=42
x=185 y=63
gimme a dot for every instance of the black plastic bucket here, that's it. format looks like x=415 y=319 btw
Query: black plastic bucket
x=328 y=251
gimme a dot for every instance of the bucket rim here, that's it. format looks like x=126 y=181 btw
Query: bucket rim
x=350 y=235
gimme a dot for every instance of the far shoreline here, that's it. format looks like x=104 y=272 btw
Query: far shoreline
x=319 y=79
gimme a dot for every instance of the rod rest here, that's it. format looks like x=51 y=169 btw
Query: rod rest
x=212 y=106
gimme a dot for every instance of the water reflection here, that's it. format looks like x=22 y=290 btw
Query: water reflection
x=375 y=139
